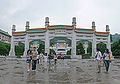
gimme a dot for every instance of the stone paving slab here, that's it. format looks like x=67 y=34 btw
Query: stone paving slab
x=65 y=72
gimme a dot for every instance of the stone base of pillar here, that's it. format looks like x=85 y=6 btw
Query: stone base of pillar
x=76 y=57
x=24 y=55
x=12 y=54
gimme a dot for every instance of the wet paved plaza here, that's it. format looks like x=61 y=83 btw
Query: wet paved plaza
x=74 y=71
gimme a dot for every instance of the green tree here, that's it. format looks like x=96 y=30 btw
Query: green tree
x=41 y=48
x=52 y=51
x=4 y=48
x=111 y=38
x=116 y=48
x=89 y=50
x=19 y=50
x=102 y=47
x=80 y=49
x=69 y=52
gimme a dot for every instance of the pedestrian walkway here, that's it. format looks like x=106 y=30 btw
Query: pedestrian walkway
x=68 y=71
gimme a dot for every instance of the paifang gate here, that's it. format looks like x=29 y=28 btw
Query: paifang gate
x=70 y=32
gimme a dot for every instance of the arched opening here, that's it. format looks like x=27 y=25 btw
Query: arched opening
x=102 y=47
x=84 y=48
x=19 y=49
x=60 y=45
x=39 y=44
x=79 y=48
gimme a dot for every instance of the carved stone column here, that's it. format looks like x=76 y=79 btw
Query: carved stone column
x=12 y=48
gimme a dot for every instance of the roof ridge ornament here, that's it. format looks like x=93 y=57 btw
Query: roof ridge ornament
x=13 y=28
x=107 y=28
x=74 y=21
x=93 y=26
x=46 y=22
x=27 y=25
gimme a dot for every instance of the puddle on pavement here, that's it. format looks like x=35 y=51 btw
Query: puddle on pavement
x=15 y=67
x=3 y=69
x=60 y=76
x=116 y=77
x=2 y=64
x=90 y=65
x=6 y=73
x=19 y=73
x=59 y=82
x=85 y=80
x=78 y=69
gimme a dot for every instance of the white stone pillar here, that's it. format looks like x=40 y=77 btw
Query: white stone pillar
x=47 y=41
x=108 y=43
x=94 y=41
x=94 y=47
x=26 y=39
x=73 y=54
x=12 y=49
x=108 y=39
x=26 y=45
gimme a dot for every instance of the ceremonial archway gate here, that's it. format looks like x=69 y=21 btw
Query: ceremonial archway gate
x=68 y=31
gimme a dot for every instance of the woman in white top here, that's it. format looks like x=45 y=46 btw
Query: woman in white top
x=98 y=58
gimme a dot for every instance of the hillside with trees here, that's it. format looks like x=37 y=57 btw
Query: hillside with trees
x=115 y=37
x=116 y=49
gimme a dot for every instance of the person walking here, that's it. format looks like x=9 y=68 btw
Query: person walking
x=55 y=59
x=41 y=57
x=28 y=60
x=62 y=57
x=107 y=59
x=104 y=58
x=45 y=61
x=34 y=58
x=50 y=58
x=99 y=59
x=38 y=57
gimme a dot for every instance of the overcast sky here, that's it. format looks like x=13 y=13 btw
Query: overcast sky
x=60 y=12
